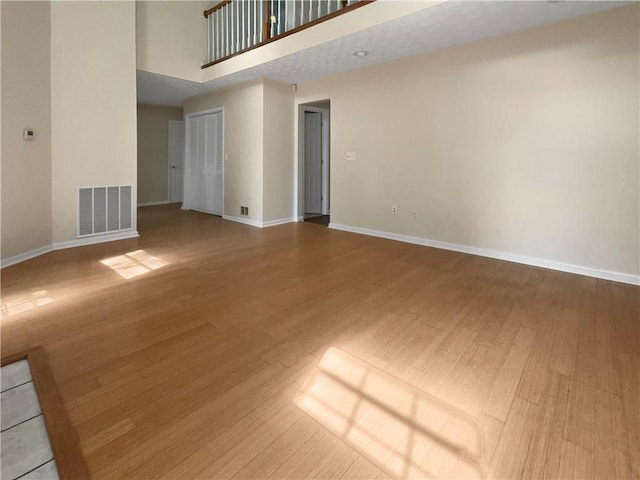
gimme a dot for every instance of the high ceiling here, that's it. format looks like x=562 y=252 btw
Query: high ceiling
x=442 y=26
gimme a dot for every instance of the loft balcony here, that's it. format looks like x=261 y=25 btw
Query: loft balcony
x=237 y=26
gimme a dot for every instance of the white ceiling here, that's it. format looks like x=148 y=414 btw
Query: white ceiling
x=444 y=25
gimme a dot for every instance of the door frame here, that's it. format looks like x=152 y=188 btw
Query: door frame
x=184 y=126
x=326 y=171
x=187 y=165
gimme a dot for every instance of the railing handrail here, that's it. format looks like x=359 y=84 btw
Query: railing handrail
x=217 y=7
x=265 y=35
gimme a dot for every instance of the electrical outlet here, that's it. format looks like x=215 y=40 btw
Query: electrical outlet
x=414 y=216
x=394 y=209
x=244 y=211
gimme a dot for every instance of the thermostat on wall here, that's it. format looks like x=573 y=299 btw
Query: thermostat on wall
x=28 y=134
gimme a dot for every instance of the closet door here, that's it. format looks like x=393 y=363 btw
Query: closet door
x=204 y=180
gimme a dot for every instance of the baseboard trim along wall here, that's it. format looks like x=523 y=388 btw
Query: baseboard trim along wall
x=533 y=261
x=280 y=221
x=80 y=242
x=22 y=257
x=246 y=221
x=150 y=204
x=258 y=223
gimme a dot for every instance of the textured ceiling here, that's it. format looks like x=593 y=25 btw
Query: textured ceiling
x=444 y=25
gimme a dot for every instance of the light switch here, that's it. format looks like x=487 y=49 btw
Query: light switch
x=351 y=156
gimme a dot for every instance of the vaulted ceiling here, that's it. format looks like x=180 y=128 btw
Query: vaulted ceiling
x=441 y=26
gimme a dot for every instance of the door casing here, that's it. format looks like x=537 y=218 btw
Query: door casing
x=173 y=127
x=326 y=170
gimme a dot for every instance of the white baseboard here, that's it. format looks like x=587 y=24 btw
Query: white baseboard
x=258 y=223
x=279 y=221
x=510 y=257
x=7 y=262
x=80 y=242
x=300 y=219
x=150 y=204
x=246 y=221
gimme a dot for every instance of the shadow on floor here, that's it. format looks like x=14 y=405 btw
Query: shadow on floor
x=319 y=219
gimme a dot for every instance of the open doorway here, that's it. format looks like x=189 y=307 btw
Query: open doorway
x=315 y=168
x=176 y=161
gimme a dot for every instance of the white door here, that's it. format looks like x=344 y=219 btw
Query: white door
x=176 y=161
x=312 y=162
x=204 y=180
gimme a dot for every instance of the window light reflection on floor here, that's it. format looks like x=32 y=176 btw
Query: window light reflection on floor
x=133 y=264
x=405 y=432
x=24 y=303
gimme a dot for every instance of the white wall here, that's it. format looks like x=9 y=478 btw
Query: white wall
x=26 y=165
x=93 y=103
x=525 y=144
x=171 y=37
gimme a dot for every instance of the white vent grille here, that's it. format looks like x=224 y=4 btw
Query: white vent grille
x=105 y=209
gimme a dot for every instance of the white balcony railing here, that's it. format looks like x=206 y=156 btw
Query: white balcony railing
x=235 y=26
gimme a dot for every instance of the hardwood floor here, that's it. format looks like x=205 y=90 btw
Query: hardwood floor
x=297 y=351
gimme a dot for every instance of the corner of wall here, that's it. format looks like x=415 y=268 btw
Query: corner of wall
x=26 y=103
x=278 y=147
x=243 y=144
x=94 y=139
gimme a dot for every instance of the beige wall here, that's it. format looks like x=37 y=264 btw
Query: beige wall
x=243 y=134
x=26 y=165
x=326 y=104
x=525 y=144
x=278 y=151
x=93 y=103
x=258 y=142
x=171 y=37
x=153 y=161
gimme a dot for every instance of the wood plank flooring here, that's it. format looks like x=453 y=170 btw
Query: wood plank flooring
x=302 y=352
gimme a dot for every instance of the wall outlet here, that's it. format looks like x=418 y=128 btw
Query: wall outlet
x=244 y=211
x=394 y=209
x=414 y=216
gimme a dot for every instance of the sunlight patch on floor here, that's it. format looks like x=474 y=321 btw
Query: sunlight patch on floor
x=133 y=264
x=407 y=433
x=24 y=303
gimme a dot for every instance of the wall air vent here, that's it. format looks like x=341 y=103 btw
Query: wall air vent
x=103 y=210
